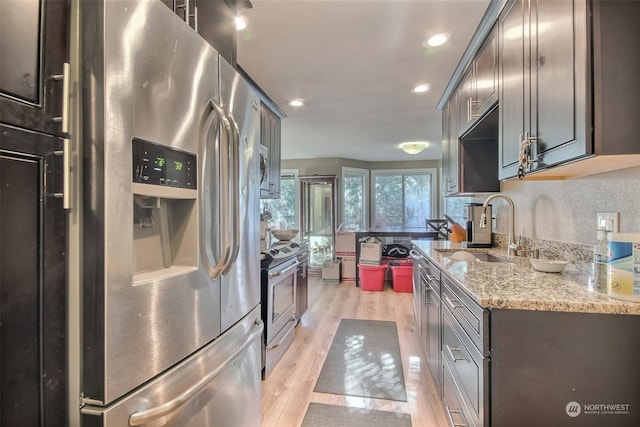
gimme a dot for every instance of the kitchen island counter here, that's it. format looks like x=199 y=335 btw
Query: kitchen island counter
x=516 y=285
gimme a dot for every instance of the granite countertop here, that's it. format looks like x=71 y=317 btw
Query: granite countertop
x=516 y=285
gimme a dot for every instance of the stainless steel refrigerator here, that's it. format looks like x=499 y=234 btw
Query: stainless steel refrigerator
x=171 y=282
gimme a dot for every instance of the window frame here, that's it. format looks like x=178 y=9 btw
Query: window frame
x=433 y=190
x=366 y=206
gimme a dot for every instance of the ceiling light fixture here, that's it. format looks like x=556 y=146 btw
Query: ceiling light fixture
x=438 y=39
x=413 y=147
x=241 y=22
x=421 y=88
x=297 y=103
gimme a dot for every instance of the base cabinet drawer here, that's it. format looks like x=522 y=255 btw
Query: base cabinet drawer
x=466 y=366
x=452 y=400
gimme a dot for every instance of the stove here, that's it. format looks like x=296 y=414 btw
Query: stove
x=279 y=268
x=280 y=252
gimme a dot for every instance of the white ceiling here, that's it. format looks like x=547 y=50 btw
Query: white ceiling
x=355 y=62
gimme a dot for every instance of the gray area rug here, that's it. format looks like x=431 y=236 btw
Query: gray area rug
x=323 y=415
x=364 y=361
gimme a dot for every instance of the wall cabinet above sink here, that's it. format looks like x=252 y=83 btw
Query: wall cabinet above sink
x=566 y=89
x=543 y=75
x=567 y=92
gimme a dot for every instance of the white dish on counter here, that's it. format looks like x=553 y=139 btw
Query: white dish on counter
x=548 y=265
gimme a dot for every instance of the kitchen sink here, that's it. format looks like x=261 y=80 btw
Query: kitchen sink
x=485 y=257
x=471 y=255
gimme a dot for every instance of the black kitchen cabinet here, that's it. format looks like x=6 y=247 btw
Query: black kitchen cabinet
x=478 y=90
x=543 y=71
x=568 y=87
x=431 y=320
x=33 y=346
x=33 y=50
x=270 y=138
x=214 y=20
x=564 y=369
x=33 y=295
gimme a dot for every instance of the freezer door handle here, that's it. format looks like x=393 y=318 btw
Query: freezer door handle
x=217 y=177
x=148 y=415
x=234 y=150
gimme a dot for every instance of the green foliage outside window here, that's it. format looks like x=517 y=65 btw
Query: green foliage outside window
x=283 y=210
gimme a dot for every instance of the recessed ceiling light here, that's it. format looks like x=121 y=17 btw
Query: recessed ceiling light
x=421 y=88
x=297 y=103
x=241 y=22
x=438 y=39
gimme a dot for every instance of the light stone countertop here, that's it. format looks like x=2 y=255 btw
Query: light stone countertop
x=516 y=285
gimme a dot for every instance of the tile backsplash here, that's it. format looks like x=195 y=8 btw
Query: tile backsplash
x=551 y=249
x=564 y=211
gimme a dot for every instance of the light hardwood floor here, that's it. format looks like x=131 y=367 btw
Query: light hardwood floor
x=288 y=390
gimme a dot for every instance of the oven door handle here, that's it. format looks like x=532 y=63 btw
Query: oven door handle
x=279 y=343
x=282 y=272
x=146 y=416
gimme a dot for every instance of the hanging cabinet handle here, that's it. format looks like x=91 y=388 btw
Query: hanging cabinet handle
x=64 y=117
x=195 y=18
x=65 y=195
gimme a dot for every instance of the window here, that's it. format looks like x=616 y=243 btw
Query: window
x=455 y=207
x=403 y=198
x=355 y=198
x=284 y=211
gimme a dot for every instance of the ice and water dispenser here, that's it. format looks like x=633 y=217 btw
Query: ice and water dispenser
x=164 y=211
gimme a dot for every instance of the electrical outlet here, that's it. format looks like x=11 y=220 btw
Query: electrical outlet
x=607 y=222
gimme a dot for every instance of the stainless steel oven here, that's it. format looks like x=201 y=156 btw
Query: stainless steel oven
x=302 y=288
x=279 y=304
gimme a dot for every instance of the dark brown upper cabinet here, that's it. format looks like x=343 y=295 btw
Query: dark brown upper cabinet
x=33 y=51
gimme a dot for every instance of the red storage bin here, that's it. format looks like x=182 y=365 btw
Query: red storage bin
x=372 y=277
x=402 y=276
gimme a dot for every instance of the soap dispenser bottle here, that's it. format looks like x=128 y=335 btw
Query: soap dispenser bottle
x=602 y=255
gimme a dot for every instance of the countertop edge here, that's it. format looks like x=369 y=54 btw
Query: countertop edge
x=585 y=302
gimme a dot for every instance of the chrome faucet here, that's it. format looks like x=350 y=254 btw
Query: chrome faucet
x=512 y=247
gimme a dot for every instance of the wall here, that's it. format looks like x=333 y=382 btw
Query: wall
x=566 y=210
x=333 y=166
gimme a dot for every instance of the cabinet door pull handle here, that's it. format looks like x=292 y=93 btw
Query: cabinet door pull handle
x=66 y=170
x=450 y=413
x=450 y=351
x=453 y=304
x=64 y=117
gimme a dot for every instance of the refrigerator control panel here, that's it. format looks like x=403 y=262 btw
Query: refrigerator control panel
x=161 y=165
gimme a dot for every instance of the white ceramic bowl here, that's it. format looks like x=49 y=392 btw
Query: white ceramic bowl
x=548 y=265
x=287 y=234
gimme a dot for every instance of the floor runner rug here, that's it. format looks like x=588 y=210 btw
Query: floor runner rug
x=364 y=360
x=323 y=415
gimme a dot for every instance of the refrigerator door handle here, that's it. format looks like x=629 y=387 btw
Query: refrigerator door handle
x=235 y=190
x=148 y=415
x=216 y=115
